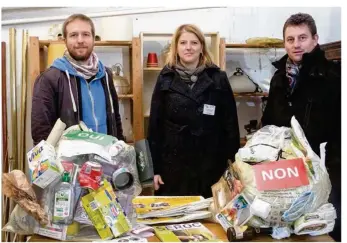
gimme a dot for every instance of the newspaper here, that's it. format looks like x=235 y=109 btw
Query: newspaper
x=190 y=232
x=176 y=219
x=162 y=206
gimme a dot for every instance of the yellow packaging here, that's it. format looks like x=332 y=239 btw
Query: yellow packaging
x=105 y=212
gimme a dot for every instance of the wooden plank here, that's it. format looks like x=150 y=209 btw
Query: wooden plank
x=158 y=34
x=332 y=50
x=250 y=94
x=154 y=69
x=222 y=55
x=215 y=48
x=138 y=127
x=4 y=108
x=218 y=231
x=5 y=166
x=34 y=60
x=229 y=45
x=127 y=96
x=96 y=43
x=43 y=59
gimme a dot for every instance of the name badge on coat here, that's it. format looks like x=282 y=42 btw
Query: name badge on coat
x=209 y=109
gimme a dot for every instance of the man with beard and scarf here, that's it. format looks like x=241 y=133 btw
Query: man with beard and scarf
x=77 y=87
x=308 y=86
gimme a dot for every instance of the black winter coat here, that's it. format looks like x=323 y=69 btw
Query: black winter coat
x=315 y=103
x=189 y=148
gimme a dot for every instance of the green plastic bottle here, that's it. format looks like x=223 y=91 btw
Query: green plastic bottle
x=63 y=201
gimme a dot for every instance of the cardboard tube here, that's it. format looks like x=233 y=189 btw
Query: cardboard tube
x=56 y=132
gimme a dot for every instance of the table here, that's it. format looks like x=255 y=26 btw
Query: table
x=220 y=233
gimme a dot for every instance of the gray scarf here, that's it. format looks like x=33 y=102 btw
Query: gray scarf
x=85 y=69
x=189 y=76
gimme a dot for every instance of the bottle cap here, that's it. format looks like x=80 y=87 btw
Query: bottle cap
x=66 y=177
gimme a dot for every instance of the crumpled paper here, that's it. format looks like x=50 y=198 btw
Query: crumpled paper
x=15 y=185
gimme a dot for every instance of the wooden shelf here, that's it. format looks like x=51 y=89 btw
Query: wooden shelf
x=158 y=34
x=97 y=43
x=252 y=46
x=156 y=69
x=332 y=50
x=250 y=94
x=243 y=141
x=127 y=96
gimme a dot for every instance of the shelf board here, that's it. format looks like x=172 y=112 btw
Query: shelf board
x=128 y=96
x=252 y=46
x=243 y=141
x=156 y=69
x=96 y=43
x=171 y=34
x=250 y=94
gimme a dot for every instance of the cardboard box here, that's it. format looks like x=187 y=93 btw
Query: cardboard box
x=43 y=164
x=105 y=212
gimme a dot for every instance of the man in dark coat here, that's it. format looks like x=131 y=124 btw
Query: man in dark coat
x=308 y=86
x=77 y=87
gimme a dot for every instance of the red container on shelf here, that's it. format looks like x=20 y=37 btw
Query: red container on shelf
x=152 y=59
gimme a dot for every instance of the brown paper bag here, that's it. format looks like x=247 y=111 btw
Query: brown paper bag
x=15 y=185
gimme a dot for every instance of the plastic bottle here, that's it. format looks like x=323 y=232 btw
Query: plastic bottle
x=63 y=201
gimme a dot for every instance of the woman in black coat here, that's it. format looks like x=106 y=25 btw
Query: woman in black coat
x=193 y=127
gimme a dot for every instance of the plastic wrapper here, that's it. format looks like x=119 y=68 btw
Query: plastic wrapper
x=20 y=222
x=289 y=204
x=118 y=161
x=265 y=145
x=74 y=147
x=15 y=185
x=114 y=156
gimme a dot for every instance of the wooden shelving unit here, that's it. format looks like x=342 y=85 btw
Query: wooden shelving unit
x=37 y=64
x=224 y=47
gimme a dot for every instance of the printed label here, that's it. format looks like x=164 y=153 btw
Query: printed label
x=62 y=204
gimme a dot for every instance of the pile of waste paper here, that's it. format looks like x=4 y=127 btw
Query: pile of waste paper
x=81 y=185
x=277 y=182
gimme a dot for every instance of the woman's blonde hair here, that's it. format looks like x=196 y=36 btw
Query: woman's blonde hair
x=173 y=57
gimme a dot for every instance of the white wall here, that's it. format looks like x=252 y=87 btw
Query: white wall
x=234 y=24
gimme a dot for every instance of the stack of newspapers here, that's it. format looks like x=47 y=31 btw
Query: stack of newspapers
x=163 y=209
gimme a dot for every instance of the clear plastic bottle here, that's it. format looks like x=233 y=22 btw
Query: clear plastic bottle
x=63 y=201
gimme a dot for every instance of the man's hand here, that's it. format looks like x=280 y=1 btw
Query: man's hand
x=157 y=180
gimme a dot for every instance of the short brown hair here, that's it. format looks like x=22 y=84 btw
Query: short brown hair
x=299 y=19
x=80 y=17
x=172 y=56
